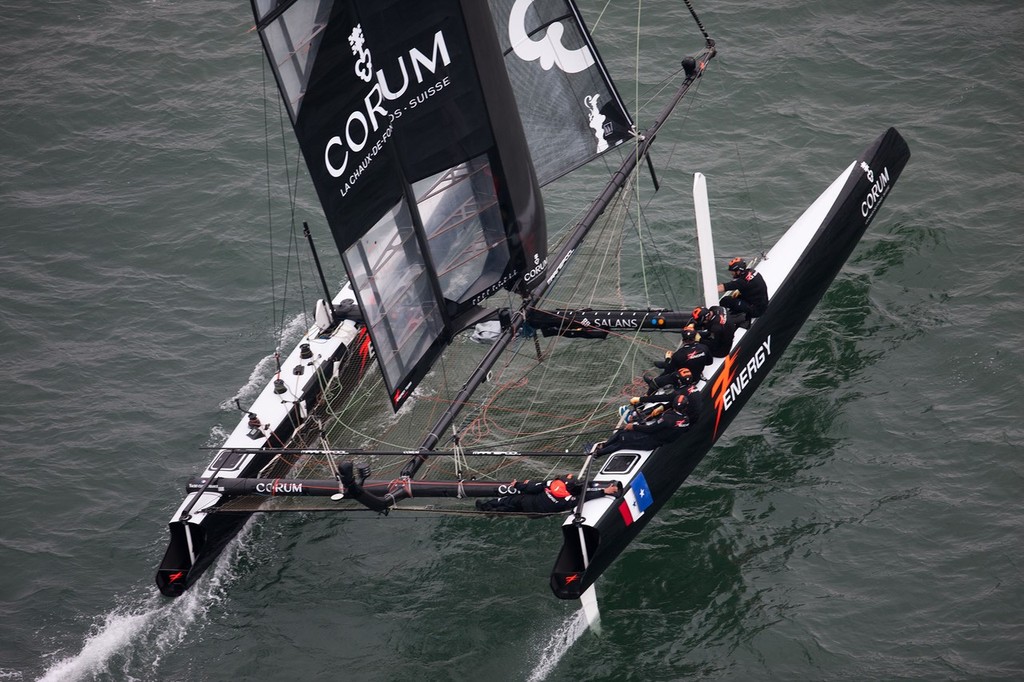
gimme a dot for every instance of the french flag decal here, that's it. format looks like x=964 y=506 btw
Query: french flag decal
x=636 y=500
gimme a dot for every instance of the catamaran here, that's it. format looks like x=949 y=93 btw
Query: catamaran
x=470 y=348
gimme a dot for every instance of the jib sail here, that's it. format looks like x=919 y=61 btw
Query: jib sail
x=570 y=109
x=408 y=125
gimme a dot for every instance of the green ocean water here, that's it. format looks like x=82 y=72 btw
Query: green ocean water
x=860 y=520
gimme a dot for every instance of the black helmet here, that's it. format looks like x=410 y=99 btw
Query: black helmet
x=737 y=265
x=679 y=402
x=690 y=334
x=685 y=374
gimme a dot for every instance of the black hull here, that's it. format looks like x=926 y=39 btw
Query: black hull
x=790 y=306
x=198 y=537
x=177 y=573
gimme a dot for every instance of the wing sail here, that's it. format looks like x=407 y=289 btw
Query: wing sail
x=408 y=125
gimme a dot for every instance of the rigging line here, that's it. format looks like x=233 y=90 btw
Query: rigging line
x=535 y=392
x=750 y=203
x=608 y=388
x=634 y=186
x=517 y=439
x=482 y=423
x=544 y=436
x=641 y=210
x=337 y=418
x=600 y=16
x=660 y=273
x=615 y=216
x=295 y=233
x=503 y=388
x=292 y=194
x=665 y=84
x=684 y=116
x=634 y=191
x=597 y=207
x=532 y=396
x=295 y=242
x=481 y=418
x=270 y=211
x=520 y=436
x=652 y=92
x=636 y=61
x=607 y=255
x=656 y=90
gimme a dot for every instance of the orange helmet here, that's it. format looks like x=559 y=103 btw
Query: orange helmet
x=737 y=265
x=558 y=488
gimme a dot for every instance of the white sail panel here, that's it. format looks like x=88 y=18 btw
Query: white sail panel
x=292 y=43
x=393 y=285
x=462 y=223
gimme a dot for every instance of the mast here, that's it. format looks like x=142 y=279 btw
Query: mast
x=694 y=68
x=316 y=260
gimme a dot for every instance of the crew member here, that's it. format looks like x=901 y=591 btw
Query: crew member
x=544 y=497
x=747 y=292
x=716 y=328
x=651 y=405
x=691 y=354
x=669 y=425
x=674 y=380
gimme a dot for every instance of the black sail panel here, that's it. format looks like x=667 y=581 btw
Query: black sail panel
x=570 y=109
x=408 y=125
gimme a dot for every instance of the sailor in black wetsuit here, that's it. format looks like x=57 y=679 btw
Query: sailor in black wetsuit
x=673 y=379
x=692 y=354
x=646 y=407
x=716 y=328
x=747 y=292
x=668 y=426
x=543 y=497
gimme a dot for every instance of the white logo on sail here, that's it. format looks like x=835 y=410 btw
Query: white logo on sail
x=596 y=121
x=538 y=268
x=549 y=49
x=362 y=125
x=364 y=63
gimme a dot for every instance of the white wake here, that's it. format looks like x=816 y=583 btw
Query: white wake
x=562 y=639
x=143 y=633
